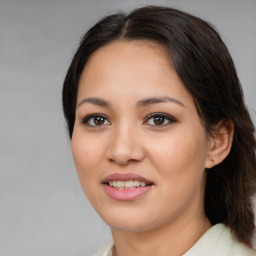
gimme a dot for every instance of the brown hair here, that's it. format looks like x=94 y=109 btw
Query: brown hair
x=207 y=71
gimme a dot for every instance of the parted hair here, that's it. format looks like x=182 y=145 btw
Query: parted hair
x=204 y=65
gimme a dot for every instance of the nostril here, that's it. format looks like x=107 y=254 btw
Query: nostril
x=124 y=155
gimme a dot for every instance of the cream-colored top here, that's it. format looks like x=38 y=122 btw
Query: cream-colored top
x=217 y=241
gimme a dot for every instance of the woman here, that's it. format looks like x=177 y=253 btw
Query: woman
x=161 y=139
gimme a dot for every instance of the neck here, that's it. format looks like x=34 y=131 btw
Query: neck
x=172 y=239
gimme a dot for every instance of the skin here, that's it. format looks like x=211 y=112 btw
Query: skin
x=170 y=217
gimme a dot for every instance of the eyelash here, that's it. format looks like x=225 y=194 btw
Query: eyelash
x=85 y=120
x=167 y=119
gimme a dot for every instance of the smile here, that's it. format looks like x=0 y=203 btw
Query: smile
x=126 y=186
x=129 y=184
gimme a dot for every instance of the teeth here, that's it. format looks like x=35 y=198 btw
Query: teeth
x=136 y=183
x=126 y=184
x=120 y=184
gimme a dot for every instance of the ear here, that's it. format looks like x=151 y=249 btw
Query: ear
x=220 y=143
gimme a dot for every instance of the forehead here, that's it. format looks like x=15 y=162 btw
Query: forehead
x=139 y=68
x=124 y=53
x=124 y=47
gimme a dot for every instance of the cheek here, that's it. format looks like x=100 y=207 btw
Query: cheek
x=180 y=157
x=81 y=153
x=87 y=157
x=180 y=166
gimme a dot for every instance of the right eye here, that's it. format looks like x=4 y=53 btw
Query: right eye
x=95 y=120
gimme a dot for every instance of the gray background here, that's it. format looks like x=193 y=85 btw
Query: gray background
x=42 y=208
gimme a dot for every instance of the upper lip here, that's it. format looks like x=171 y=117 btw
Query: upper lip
x=126 y=177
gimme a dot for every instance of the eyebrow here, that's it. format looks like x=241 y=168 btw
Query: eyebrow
x=95 y=101
x=154 y=100
x=142 y=103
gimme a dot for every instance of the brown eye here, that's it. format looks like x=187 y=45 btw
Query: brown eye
x=159 y=119
x=95 y=120
x=98 y=120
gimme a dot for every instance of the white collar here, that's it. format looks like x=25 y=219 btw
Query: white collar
x=217 y=241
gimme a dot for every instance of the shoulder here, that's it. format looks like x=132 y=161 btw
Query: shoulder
x=219 y=240
x=106 y=250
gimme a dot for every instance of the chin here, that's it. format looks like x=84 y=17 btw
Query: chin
x=130 y=226
x=130 y=221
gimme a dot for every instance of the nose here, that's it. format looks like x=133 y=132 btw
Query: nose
x=125 y=146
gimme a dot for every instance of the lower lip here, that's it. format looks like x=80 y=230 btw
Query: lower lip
x=126 y=194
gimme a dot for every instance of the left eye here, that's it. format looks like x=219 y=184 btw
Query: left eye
x=159 y=119
x=95 y=120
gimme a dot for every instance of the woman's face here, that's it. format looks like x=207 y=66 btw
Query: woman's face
x=139 y=147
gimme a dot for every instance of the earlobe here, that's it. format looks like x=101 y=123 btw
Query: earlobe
x=220 y=143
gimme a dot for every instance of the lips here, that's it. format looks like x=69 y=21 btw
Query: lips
x=126 y=186
x=126 y=177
